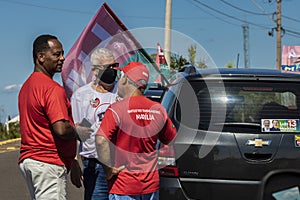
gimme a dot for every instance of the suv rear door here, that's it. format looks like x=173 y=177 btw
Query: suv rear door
x=221 y=149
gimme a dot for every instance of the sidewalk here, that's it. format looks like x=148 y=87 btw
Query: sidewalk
x=10 y=145
x=9 y=141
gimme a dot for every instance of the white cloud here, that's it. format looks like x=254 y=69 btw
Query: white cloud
x=11 y=88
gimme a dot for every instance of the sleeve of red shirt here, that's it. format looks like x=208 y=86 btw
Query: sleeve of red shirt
x=169 y=131
x=109 y=125
x=58 y=106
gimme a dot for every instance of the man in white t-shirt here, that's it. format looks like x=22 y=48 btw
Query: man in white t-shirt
x=89 y=104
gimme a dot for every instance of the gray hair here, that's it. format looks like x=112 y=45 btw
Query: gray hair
x=98 y=53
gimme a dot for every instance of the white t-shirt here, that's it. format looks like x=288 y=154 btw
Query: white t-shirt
x=90 y=104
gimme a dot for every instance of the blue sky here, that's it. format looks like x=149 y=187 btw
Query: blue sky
x=215 y=24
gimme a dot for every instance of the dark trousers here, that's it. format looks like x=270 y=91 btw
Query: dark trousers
x=95 y=185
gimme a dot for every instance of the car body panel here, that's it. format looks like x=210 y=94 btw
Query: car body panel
x=221 y=150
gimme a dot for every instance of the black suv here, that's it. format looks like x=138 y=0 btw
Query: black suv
x=236 y=128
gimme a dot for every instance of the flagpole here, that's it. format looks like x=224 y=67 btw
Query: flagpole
x=168 y=26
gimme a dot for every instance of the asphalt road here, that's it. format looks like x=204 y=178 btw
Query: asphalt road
x=12 y=184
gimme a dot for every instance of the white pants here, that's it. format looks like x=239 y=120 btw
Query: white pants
x=45 y=181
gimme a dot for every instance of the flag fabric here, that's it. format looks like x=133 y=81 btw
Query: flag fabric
x=104 y=30
x=162 y=64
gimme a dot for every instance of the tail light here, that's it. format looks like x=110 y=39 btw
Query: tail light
x=166 y=161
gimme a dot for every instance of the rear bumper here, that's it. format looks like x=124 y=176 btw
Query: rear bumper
x=170 y=189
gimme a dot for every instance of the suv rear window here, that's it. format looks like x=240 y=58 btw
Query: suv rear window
x=236 y=102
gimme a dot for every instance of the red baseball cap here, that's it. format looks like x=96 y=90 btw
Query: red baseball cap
x=136 y=72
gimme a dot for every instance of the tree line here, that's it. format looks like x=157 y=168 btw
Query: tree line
x=10 y=132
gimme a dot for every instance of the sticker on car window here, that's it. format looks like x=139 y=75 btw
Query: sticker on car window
x=287 y=194
x=280 y=125
x=297 y=140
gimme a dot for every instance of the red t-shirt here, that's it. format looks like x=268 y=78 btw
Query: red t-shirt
x=134 y=125
x=42 y=102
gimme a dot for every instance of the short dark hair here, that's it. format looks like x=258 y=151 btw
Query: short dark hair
x=40 y=44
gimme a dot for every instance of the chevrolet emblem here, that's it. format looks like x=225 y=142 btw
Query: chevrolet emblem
x=258 y=142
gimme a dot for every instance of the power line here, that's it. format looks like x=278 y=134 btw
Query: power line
x=243 y=10
x=291 y=33
x=296 y=20
x=288 y=32
x=86 y=12
x=260 y=8
x=230 y=16
x=46 y=7
x=191 y=1
x=160 y=18
x=284 y=16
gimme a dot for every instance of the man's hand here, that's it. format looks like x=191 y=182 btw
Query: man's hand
x=76 y=174
x=113 y=171
x=83 y=132
x=103 y=151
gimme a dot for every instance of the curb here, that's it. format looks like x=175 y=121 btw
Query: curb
x=9 y=141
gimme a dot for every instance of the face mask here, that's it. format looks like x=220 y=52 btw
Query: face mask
x=108 y=75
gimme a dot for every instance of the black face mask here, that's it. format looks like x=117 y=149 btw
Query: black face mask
x=108 y=75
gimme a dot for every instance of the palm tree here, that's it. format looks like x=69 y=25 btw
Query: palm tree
x=192 y=54
x=177 y=62
x=202 y=64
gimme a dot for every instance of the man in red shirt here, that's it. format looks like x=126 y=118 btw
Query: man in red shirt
x=127 y=138
x=48 y=135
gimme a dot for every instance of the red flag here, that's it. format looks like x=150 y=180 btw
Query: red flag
x=104 y=30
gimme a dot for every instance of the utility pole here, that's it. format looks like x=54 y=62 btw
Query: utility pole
x=246 y=45
x=168 y=24
x=278 y=29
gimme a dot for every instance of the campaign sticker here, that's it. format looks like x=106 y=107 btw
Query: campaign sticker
x=95 y=102
x=287 y=194
x=280 y=125
x=297 y=140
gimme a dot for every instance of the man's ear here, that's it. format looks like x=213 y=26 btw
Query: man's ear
x=41 y=57
x=125 y=80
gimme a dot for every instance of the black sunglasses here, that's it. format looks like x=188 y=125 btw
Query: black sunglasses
x=102 y=67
